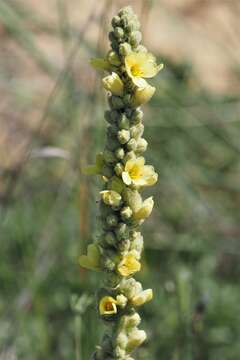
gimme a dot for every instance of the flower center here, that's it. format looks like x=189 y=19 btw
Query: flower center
x=135 y=172
x=108 y=306
x=136 y=70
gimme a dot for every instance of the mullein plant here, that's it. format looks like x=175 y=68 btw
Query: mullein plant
x=117 y=250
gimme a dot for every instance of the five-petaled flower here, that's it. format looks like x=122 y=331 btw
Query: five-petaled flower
x=137 y=174
x=141 y=65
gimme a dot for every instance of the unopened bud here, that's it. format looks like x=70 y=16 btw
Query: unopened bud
x=123 y=136
x=119 y=168
x=126 y=213
x=132 y=145
x=120 y=153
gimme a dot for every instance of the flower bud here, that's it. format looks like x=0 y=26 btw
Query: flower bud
x=114 y=84
x=92 y=259
x=124 y=122
x=142 y=145
x=120 y=353
x=112 y=220
x=143 y=95
x=133 y=199
x=119 y=168
x=119 y=33
x=121 y=300
x=121 y=231
x=135 y=38
x=120 y=153
x=126 y=213
x=126 y=11
x=137 y=131
x=116 y=102
x=132 y=145
x=113 y=58
x=125 y=49
x=137 y=116
x=116 y=21
x=142 y=297
x=111 y=197
x=132 y=320
x=127 y=99
x=122 y=340
x=107 y=263
x=123 y=136
x=110 y=239
x=135 y=339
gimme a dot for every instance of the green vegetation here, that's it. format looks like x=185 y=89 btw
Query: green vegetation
x=48 y=216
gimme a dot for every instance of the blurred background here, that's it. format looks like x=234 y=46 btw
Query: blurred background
x=51 y=124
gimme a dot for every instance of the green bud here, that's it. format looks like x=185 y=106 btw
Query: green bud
x=116 y=20
x=123 y=136
x=119 y=33
x=137 y=130
x=122 y=340
x=113 y=58
x=119 y=153
x=119 y=168
x=114 y=115
x=112 y=130
x=124 y=122
x=121 y=231
x=135 y=38
x=110 y=239
x=137 y=116
x=112 y=220
x=135 y=339
x=126 y=11
x=132 y=320
x=109 y=156
x=127 y=99
x=116 y=184
x=107 y=263
x=126 y=213
x=132 y=145
x=116 y=102
x=142 y=145
x=125 y=49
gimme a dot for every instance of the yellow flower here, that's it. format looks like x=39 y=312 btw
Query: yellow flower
x=142 y=95
x=138 y=174
x=114 y=84
x=141 y=65
x=129 y=265
x=142 y=297
x=107 y=306
x=92 y=259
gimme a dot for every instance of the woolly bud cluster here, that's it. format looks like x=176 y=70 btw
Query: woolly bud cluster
x=117 y=251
